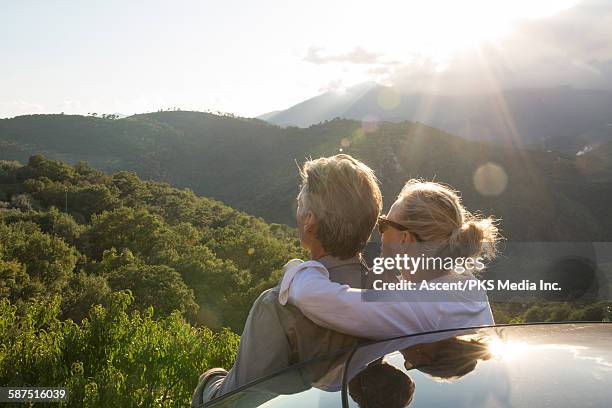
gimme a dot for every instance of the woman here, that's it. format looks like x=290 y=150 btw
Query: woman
x=427 y=221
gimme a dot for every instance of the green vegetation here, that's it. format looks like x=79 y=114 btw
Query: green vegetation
x=534 y=312
x=172 y=249
x=120 y=288
x=122 y=298
x=250 y=165
x=111 y=358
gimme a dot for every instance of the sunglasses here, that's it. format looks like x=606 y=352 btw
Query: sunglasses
x=384 y=223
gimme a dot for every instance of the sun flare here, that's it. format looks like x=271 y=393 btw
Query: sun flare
x=438 y=29
x=507 y=350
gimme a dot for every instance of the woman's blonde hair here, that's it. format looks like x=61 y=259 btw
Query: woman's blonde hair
x=434 y=212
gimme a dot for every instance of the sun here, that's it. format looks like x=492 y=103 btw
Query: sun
x=438 y=29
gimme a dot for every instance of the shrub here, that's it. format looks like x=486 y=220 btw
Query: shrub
x=111 y=358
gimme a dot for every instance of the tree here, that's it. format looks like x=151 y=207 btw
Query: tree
x=39 y=166
x=15 y=283
x=112 y=358
x=155 y=285
x=48 y=259
x=135 y=229
x=22 y=202
x=82 y=292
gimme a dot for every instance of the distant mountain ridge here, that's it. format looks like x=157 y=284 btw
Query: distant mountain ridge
x=251 y=164
x=326 y=106
x=561 y=118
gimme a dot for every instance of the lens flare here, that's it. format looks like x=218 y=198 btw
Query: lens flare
x=507 y=350
x=358 y=135
x=490 y=179
x=388 y=98
x=369 y=124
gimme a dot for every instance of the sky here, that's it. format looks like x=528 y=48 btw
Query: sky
x=251 y=57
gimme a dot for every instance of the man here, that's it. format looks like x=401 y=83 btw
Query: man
x=338 y=206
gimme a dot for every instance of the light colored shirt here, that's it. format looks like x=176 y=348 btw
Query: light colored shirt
x=275 y=337
x=385 y=315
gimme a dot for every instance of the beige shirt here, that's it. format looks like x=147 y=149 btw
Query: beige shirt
x=276 y=337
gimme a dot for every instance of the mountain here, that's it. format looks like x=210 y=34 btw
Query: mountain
x=561 y=118
x=251 y=164
x=268 y=115
x=326 y=106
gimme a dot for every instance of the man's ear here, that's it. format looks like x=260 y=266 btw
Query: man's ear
x=310 y=222
x=407 y=238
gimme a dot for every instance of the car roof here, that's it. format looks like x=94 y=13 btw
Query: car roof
x=514 y=363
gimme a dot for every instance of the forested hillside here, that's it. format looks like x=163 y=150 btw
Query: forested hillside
x=251 y=165
x=78 y=232
x=74 y=237
x=118 y=288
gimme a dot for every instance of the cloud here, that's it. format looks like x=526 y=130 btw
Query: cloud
x=581 y=32
x=15 y=108
x=358 y=55
x=335 y=85
x=571 y=48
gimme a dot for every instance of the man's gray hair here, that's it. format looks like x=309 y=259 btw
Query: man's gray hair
x=344 y=196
